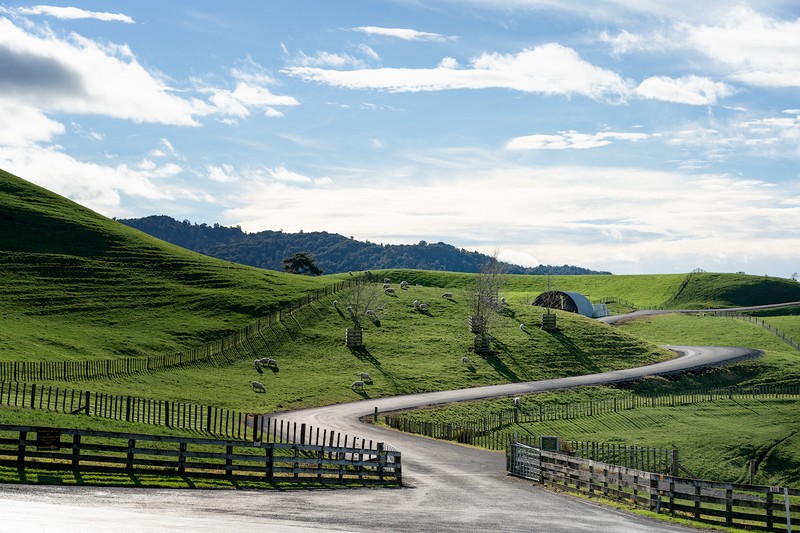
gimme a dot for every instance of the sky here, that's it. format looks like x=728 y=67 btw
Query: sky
x=633 y=136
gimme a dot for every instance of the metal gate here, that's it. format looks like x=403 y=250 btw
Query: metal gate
x=525 y=461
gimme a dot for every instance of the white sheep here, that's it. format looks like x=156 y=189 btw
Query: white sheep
x=258 y=386
x=465 y=360
x=336 y=303
x=503 y=300
x=403 y=284
x=447 y=295
x=389 y=290
x=268 y=361
x=351 y=310
x=387 y=285
x=516 y=401
x=416 y=303
x=387 y=280
x=357 y=385
x=257 y=363
x=422 y=306
x=522 y=327
x=365 y=377
x=370 y=312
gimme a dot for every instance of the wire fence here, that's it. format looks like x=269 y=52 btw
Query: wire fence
x=265 y=335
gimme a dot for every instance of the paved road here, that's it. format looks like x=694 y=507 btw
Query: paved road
x=449 y=487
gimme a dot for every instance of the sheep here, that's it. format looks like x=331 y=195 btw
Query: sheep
x=416 y=303
x=389 y=290
x=357 y=385
x=351 y=310
x=370 y=312
x=257 y=363
x=365 y=377
x=522 y=327
x=268 y=361
x=336 y=303
x=422 y=306
x=258 y=386
x=516 y=401
x=387 y=280
x=503 y=300
x=387 y=285
x=447 y=295
x=465 y=360
x=403 y=284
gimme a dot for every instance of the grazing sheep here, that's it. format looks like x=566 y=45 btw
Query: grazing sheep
x=422 y=306
x=351 y=310
x=258 y=386
x=336 y=303
x=522 y=327
x=357 y=385
x=503 y=300
x=387 y=285
x=268 y=361
x=387 y=280
x=465 y=360
x=389 y=290
x=257 y=362
x=447 y=295
x=365 y=377
x=516 y=401
x=370 y=312
x=403 y=284
x=416 y=303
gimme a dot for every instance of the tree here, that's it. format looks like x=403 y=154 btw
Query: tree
x=302 y=263
x=483 y=297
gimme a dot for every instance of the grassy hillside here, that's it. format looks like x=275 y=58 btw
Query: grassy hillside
x=75 y=285
x=706 y=289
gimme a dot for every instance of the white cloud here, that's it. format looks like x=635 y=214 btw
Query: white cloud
x=690 y=90
x=222 y=173
x=369 y=52
x=74 y=13
x=78 y=75
x=328 y=59
x=552 y=213
x=758 y=49
x=548 y=69
x=377 y=144
x=22 y=125
x=571 y=140
x=405 y=34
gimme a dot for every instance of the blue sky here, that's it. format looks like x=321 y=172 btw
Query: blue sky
x=633 y=136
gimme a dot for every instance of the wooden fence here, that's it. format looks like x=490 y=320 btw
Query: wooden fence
x=764 y=324
x=262 y=336
x=28 y=447
x=753 y=507
x=474 y=431
x=179 y=415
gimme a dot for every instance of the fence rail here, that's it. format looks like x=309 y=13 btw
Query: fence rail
x=753 y=507
x=763 y=323
x=479 y=431
x=264 y=335
x=96 y=451
x=178 y=415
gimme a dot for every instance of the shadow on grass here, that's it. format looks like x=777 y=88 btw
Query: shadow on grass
x=575 y=351
x=498 y=365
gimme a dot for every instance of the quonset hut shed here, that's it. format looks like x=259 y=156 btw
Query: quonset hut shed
x=574 y=302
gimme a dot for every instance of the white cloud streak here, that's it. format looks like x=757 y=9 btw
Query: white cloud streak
x=571 y=140
x=690 y=90
x=547 y=69
x=405 y=34
x=74 y=13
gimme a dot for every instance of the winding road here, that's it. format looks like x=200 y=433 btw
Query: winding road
x=447 y=487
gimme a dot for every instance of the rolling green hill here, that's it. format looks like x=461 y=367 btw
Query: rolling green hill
x=74 y=284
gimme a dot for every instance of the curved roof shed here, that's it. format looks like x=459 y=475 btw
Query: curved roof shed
x=574 y=302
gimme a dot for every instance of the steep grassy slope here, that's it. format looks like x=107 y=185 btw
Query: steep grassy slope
x=74 y=284
x=707 y=289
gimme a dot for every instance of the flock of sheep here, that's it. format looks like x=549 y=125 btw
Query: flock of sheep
x=365 y=378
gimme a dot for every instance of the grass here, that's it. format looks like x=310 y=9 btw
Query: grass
x=77 y=286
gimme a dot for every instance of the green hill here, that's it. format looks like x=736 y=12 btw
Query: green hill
x=76 y=285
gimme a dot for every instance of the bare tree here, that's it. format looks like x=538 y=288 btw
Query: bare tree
x=483 y=297
x=363 y=294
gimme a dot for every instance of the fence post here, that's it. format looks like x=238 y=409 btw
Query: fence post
x=23 y=436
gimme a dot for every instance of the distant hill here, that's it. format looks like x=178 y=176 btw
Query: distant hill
x=334 y=253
